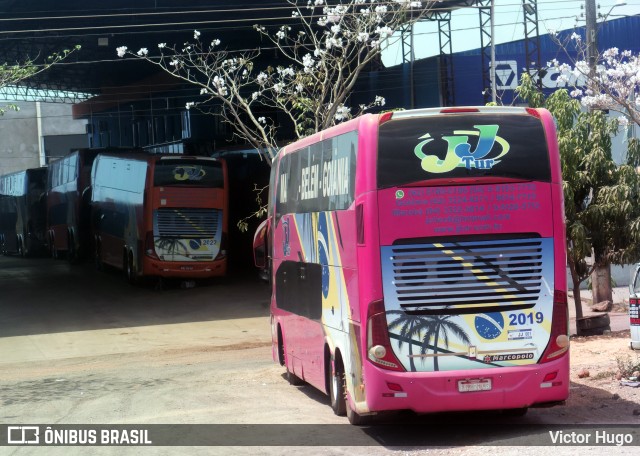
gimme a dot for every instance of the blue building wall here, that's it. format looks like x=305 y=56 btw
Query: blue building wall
x=510 y=60
x=394 y=84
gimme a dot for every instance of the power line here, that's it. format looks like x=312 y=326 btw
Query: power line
x=199 y=22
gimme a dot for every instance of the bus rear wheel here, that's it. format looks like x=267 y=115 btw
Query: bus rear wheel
x=72 y=252
x=97 y=259
x=339 y=403
x=130 y=270
x=336 y=387
x=20 y=245
x=356 y=419
x=280 y=347
x=52 y=248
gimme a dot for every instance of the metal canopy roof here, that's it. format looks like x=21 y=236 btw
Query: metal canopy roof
x=38 y=28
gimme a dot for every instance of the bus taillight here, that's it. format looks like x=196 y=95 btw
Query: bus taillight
x=559 y=337
x=534 y=112
x=223 y=247
x=386 y=117
x=149 y=248
x=458 y=110
x=379 y=349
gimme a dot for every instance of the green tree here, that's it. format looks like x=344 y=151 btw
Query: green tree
x=602 y=199
x=14 y=73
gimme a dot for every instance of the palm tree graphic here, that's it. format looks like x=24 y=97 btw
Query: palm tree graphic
x=171 y=246
x=428 y=328
x=407 y=324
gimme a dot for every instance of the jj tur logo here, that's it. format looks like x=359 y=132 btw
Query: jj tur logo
x=188 y=173
x=489 y=148
x=23 y=435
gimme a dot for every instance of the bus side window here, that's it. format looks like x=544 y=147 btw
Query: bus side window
x=283 y=184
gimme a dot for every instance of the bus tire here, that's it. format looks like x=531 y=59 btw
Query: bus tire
x=356 y=419
x=130 y=269
x=72 y=254
x=280 y=347
x=20 y=247
x=336 y=387
x=97 y=260
x=52 y=247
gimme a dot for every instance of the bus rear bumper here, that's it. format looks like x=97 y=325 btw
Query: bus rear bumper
x=510 y=388
x=185 y=270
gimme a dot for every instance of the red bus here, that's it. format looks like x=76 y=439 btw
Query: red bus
x=418 y=261
x=67 y=205
x=22 y=212
x=160 y=216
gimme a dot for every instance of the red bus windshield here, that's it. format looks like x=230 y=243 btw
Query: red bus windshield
x=192 y=173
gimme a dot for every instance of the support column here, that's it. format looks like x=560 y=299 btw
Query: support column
x=484 y=11
x=533 y=64
x=447 y=92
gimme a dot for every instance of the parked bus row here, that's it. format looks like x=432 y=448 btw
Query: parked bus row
x=149 y=215
x=417 y=261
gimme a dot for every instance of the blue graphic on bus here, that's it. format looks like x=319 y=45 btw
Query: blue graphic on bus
x=489 y=325
x=286 y=248
x=323 y=254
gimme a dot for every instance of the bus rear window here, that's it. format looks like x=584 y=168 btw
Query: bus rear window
x=191 y=173
x=417 y=149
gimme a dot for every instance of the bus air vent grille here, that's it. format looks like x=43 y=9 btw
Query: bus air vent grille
x=465 y=277
x=187 y=223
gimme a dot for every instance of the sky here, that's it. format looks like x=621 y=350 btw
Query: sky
x=509 y=26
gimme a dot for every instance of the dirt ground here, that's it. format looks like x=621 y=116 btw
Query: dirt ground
x=600 y=397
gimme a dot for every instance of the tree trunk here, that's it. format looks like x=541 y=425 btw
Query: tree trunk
x=577 y=300
x=601 y=283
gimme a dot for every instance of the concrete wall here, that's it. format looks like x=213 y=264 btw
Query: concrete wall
x=24 y=133
x=620 y=276
x=19 y=141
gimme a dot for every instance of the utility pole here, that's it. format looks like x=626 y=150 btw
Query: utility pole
x=592 y=32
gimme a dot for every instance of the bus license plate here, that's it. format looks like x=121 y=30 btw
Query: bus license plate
x=480 y=384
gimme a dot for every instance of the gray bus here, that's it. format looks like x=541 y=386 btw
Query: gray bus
x=23 y=212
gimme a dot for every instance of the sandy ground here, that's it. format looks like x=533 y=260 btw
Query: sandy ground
x=203 y=355
x=600 y=397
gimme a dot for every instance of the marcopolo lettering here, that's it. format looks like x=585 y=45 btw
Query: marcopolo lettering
x=508 y=357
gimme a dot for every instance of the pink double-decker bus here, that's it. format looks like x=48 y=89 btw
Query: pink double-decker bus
x=417 y=261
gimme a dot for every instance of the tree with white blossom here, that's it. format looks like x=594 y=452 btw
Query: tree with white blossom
x=12 y=74
x=322 y=51
x=610 y=216
x=611 y=82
